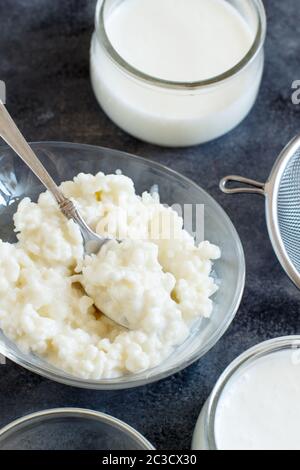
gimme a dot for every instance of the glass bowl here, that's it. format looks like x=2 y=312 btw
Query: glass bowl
x=204 y=437
x=71 y=429
x=64 y=161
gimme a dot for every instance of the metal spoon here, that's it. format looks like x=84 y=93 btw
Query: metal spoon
x=11 y=134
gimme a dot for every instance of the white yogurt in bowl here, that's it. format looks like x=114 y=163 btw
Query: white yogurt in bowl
x=255 y=404
x=182 y=41
x=177 y=72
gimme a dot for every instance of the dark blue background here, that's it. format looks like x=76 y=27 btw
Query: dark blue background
x=44 y=59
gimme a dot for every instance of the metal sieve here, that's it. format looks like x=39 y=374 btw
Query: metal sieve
x=282 y=193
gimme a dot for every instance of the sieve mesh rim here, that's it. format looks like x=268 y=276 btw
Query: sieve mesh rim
x=272 y=193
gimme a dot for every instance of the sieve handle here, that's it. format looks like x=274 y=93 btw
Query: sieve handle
x=250 y=186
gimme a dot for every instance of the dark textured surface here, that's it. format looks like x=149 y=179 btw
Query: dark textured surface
x=44 y=51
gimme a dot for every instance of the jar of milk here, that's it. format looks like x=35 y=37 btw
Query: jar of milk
x=255 y=403
x=177 y=72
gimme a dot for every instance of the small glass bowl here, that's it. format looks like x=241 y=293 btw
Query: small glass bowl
x=64 y=161
x=204 y=435
x=172 y=113
x=71 y=429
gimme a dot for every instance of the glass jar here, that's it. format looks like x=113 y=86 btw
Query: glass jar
x=205 y=432
x=176 y=114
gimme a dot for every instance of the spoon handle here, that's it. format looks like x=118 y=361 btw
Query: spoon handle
x=13 y=137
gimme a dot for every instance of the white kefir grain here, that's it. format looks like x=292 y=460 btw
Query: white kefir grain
x=52 y=298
